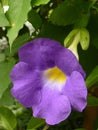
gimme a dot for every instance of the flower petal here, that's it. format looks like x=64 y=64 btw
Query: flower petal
x=40 y=53
x=75 y=90
x=67 y=62
x=26 y=83
x=54 y=106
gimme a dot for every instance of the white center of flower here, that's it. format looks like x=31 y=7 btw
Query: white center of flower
x=54 y=77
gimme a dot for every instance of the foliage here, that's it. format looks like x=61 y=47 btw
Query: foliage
x=61 y=20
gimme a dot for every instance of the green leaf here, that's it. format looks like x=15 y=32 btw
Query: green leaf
x=39 y=2
x=6 y=99
x=21 y=40
x=18 y=42
x=34 y=19
x=67 y=12
x=35 y=123
x=92 y=101
x=17 y=15
x=82 y=20
x=5 y=68
x=2 y=57
x=92 y=78
x=8 y=119
x=3 y=20
x=84 y=38
x=93 y=29
x=58 y=33
x=4 y=2
x=70 y=37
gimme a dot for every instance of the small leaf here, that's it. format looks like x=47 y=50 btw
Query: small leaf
x=92 y=78
x=5 y=68
x=3 y=20
x=35 y=123
x=17 y=15
x=69 y=39
x=8 y=119
x=39 y=2
x=92 y=101
x=84 y=38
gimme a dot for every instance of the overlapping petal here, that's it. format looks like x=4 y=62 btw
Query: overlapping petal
x=51 y=97
x=27 y=84
x=44 y=53
x=40 y=53
x=67 y=62
x=75 y=90
x=54 y=107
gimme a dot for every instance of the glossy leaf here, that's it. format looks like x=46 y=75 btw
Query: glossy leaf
x=3 y=19
x=17 y=15
x=7 y=118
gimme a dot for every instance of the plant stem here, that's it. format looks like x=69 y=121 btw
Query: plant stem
x=46 y=127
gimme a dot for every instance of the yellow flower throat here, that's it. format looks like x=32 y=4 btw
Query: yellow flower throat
x=55 y=74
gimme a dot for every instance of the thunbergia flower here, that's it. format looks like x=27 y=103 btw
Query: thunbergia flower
x=49 y=79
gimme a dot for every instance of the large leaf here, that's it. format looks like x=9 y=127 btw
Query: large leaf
x=34 y=19
x=39 y=2
x=5 y=68
x=35 y=123
x=92 y=78
x=88 y=58
x=7 y=99
x=3 y=20
x=93 y=29
x=8 y=119
x=17 y=15
x=58 y=33
x=68 y=12
x=18 y=42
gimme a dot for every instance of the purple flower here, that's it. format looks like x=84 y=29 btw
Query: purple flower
x=49 y=79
